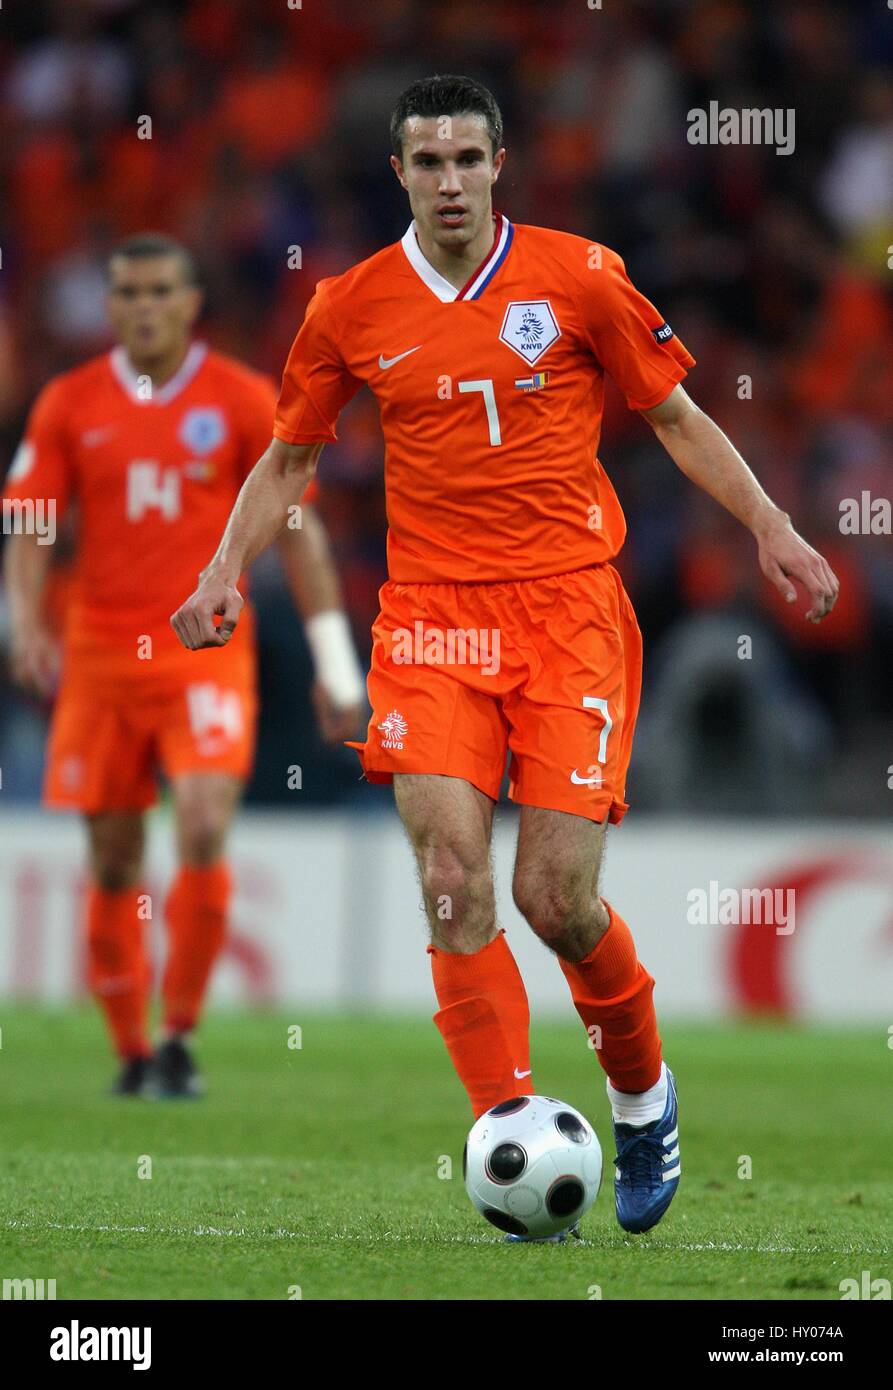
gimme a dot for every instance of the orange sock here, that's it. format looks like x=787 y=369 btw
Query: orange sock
x=612 y=990
x=118 y=969
x=484 y=1020
x=196 y=911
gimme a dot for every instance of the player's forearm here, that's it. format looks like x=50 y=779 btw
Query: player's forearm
x=316 y=590
x=309 y=567
x=25 y=567
x=263 y=507
x=706 y=456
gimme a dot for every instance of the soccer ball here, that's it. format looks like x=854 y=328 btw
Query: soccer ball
x=532 y=1165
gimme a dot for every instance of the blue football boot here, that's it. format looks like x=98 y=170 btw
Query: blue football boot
x=647 y=1167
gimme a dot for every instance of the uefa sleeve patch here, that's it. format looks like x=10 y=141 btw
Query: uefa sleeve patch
x=663 y=334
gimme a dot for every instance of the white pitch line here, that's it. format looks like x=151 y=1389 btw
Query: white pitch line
x=221 y=1160
x=280 y=1233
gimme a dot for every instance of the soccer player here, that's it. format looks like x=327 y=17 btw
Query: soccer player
x=504 y=627
x=152 y=442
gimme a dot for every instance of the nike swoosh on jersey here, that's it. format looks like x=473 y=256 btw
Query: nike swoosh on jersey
x=91 y=438
x=521 y=1074
x=584 y=781
x=385 y=362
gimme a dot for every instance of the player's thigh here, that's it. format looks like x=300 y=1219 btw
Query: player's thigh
x=557 y=868
x=100 y=749
x=572 y=724
x=438 y=811
x=449 y=823
x=433 y=711
x=116 y=841
x=205 y=730
x=204 y=806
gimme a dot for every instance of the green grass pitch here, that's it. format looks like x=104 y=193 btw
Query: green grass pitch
x=318 y=1168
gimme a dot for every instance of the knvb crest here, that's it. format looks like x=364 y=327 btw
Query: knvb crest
x=202 y=429
x=529 y=328
x=395 y=728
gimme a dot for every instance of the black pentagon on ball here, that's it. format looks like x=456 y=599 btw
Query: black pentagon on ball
x=506 y=1162
x=510 y=1224
x=565 y=1196
x=572 y=1127
x=509 y=1107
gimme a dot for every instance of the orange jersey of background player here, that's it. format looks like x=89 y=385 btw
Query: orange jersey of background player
x=491 y=397
x=153 y=481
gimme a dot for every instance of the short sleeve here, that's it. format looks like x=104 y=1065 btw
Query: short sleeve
x=256 y=427
x=41 y=468
x=316 y=384
x=630 y=338
x=257 y=410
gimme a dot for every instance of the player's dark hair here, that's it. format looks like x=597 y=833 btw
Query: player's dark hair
x=446 y=95
x=147 y=245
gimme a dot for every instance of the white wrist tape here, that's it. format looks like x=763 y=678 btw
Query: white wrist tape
x=334 y=658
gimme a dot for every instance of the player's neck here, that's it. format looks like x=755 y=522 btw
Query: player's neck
x=161 y=367
x=458 y=266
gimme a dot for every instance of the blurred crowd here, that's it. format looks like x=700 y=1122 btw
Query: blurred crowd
x=269 y=130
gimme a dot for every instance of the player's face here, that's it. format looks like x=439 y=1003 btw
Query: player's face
x=449 y=169
x=151 y=306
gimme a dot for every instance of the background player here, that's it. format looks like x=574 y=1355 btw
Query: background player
x=152 y=442
x=487 y=345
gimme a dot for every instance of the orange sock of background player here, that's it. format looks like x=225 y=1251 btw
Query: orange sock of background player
x=196 y=910
x=484 y=1020
x=612 y=990
x=118 y=969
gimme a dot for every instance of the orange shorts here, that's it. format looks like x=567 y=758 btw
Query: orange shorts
x=115 y=727
x=548 y=670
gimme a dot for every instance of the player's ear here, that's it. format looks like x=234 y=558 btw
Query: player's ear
x=498 y=161
x=195 y=304
x=397 y=167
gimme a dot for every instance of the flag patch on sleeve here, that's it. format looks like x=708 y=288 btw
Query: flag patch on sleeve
x=532 y=383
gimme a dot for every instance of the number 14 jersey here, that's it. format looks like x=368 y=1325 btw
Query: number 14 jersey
x=491 y=397
x=153 y=475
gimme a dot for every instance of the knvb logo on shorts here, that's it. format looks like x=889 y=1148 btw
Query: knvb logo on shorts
x=721 y=907
x=394 y=727
x=529 y=328
x=71 y=772
x=427 y=645
x=749 y=126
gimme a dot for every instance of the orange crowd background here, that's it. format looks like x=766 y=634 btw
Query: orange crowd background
x=268 y=130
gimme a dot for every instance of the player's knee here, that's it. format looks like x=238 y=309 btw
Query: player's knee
x=116 y=856
x=443 y=873
x=550 y=908
x=202 y=836
x=115 y=875
x=451 y=887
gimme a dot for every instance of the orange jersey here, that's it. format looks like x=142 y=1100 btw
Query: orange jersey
x=491 y=397
x=153 y=481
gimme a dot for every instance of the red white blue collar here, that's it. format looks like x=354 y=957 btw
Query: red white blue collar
x=473 y=288
x=123 y=369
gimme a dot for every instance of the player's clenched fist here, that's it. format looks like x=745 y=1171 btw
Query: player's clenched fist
x=194 y=622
